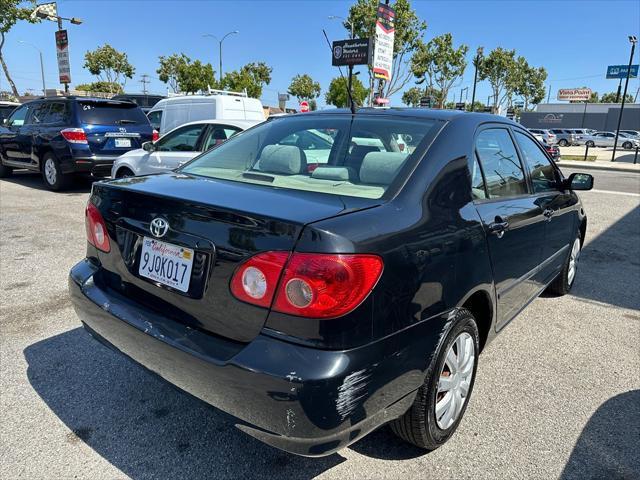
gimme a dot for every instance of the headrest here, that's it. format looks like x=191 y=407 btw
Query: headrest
x=380 y=168
x=286 y=159
x=343 y=174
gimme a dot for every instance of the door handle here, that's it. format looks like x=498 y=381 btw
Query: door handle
x=548 y=212
x=498 y=227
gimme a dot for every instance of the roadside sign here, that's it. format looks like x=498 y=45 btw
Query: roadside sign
x=620 y=71
x=304 y=106
x=511 y=113
x=427 y=101
x=382 y=101
x=351 y=52
x=383 y=50
x=518 y=104
x=62 y=50
x=461 y=105
x=488 y=109
x=574 y=94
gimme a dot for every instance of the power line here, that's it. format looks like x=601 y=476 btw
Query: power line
x=145 y=80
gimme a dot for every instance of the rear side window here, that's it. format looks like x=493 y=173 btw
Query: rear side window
x=543 y=175
x=478 y=190
x=219 y=134
x=155 y=118
x=111 y=113
x=503 y=172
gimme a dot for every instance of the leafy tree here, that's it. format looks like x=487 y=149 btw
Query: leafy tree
x=408 y=31
x=337 y=93
x=304 y=88
x=527 y=81
x=611 y=98
x=477 y=107
x=439 y=64
x=252 y=77
x=11 y=11
x=109 y=65
x=105 y=87
x=412 y=96
x=498 y=67
x=169 y=68
x=195 y=76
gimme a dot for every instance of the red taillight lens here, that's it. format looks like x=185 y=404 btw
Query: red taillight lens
x=74 y=135
x=313 y=285
x=257 y=279
x=155 y=136
x=96 y=229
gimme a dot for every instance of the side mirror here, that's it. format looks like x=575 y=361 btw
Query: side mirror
x=579 y=181
x=148 y=147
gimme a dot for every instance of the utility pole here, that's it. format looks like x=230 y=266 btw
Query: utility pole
x=633 y=40
x=44 y=88
x=549 y=94
x=145 y=80
x=618 y=91
x=476 y=63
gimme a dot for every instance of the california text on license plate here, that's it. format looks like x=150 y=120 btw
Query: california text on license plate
x=123 y=142
x=166 y=263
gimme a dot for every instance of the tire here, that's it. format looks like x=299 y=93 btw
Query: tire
x=124 y=172
x=590 y=144
x=52 y=174
x=562 y=284
x=419 y=424
x=563 y=143
x=627 y=145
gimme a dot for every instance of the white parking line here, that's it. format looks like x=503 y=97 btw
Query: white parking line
x=626 y=194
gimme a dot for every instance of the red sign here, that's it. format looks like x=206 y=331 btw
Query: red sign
x=382 y=101
x=304 y=107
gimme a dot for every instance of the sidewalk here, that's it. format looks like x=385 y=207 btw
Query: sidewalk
x=599 y=159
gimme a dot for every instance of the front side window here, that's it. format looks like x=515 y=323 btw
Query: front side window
x=333 y=154
x=502 y=169
x=183 y=139
x=18 y=117
x=543 y=175
x=39 y=113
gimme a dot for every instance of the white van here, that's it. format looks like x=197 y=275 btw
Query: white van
x=172 y=112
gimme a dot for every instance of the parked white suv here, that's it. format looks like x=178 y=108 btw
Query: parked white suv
x=549 y=137
x=174 y=111
x=177 y=147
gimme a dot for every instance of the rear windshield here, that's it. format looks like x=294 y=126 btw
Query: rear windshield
x=111 y=113
x=334 y=154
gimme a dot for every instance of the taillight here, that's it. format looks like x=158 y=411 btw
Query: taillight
x=313 y=285
x=96 y=228
x=155 y=135
x=74 y=135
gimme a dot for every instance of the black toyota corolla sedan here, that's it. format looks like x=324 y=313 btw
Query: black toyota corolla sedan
x=320 y=275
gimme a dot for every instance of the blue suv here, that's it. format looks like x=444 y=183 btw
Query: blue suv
x=64 y=136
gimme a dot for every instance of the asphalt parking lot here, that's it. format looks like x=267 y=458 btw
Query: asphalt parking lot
x=557 y=394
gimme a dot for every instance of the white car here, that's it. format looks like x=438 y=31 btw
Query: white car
x=177 y=147
x=606 y=139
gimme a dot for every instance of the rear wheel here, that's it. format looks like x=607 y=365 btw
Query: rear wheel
x=124 y=173
x=627 y=145
x=563 y=143
x=590 y=144
x=442 y=399
x=52 y=173
x=564 y=281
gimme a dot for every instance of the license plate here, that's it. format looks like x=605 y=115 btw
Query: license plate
x=166 y=263
x=123 y=142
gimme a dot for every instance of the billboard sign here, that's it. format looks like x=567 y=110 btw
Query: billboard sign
x=383 y=50
x=620 y=71
x=351 y=52
x=574 y=94
x=62 y=50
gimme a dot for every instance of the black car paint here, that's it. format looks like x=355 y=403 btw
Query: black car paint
x=25 y=146
x=314 y=386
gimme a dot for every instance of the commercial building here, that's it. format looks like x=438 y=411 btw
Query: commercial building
x=599 y=116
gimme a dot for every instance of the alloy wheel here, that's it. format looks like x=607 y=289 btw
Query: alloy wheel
x=455 y=380
x=573 y=261
x=50 y=171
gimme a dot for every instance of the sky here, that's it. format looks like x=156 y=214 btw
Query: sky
x=573 y=40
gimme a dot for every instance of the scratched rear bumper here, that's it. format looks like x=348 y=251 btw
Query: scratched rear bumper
x=303 y=400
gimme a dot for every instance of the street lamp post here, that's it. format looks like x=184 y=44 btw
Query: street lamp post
x=476 y=63
x=633 y=40
x=220 y=46
x=44 y=88
x=349 y=81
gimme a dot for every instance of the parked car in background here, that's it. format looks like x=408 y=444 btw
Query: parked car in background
x=172 y=112
x=553 y=151
x=316 y=306
x=630 y=133
x=581 y=131
x=145 y=102
x=63 y=136
x=547 y=135
x=564 y=137
x=5 y=110
x=607 y=139
x=177 y=147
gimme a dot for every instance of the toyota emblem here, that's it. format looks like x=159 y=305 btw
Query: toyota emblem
x=159 y=227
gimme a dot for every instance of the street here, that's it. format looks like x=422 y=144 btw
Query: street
x=557 y=393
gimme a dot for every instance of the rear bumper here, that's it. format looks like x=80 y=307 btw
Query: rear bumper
x=303 y=400
x=96 y=165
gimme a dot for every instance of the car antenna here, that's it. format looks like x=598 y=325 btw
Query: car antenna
x=353 y=105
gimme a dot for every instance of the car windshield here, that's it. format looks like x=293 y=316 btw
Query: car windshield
x=357 y=156
x=111 y=113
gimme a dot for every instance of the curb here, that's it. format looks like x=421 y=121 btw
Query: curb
x=609 y=166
